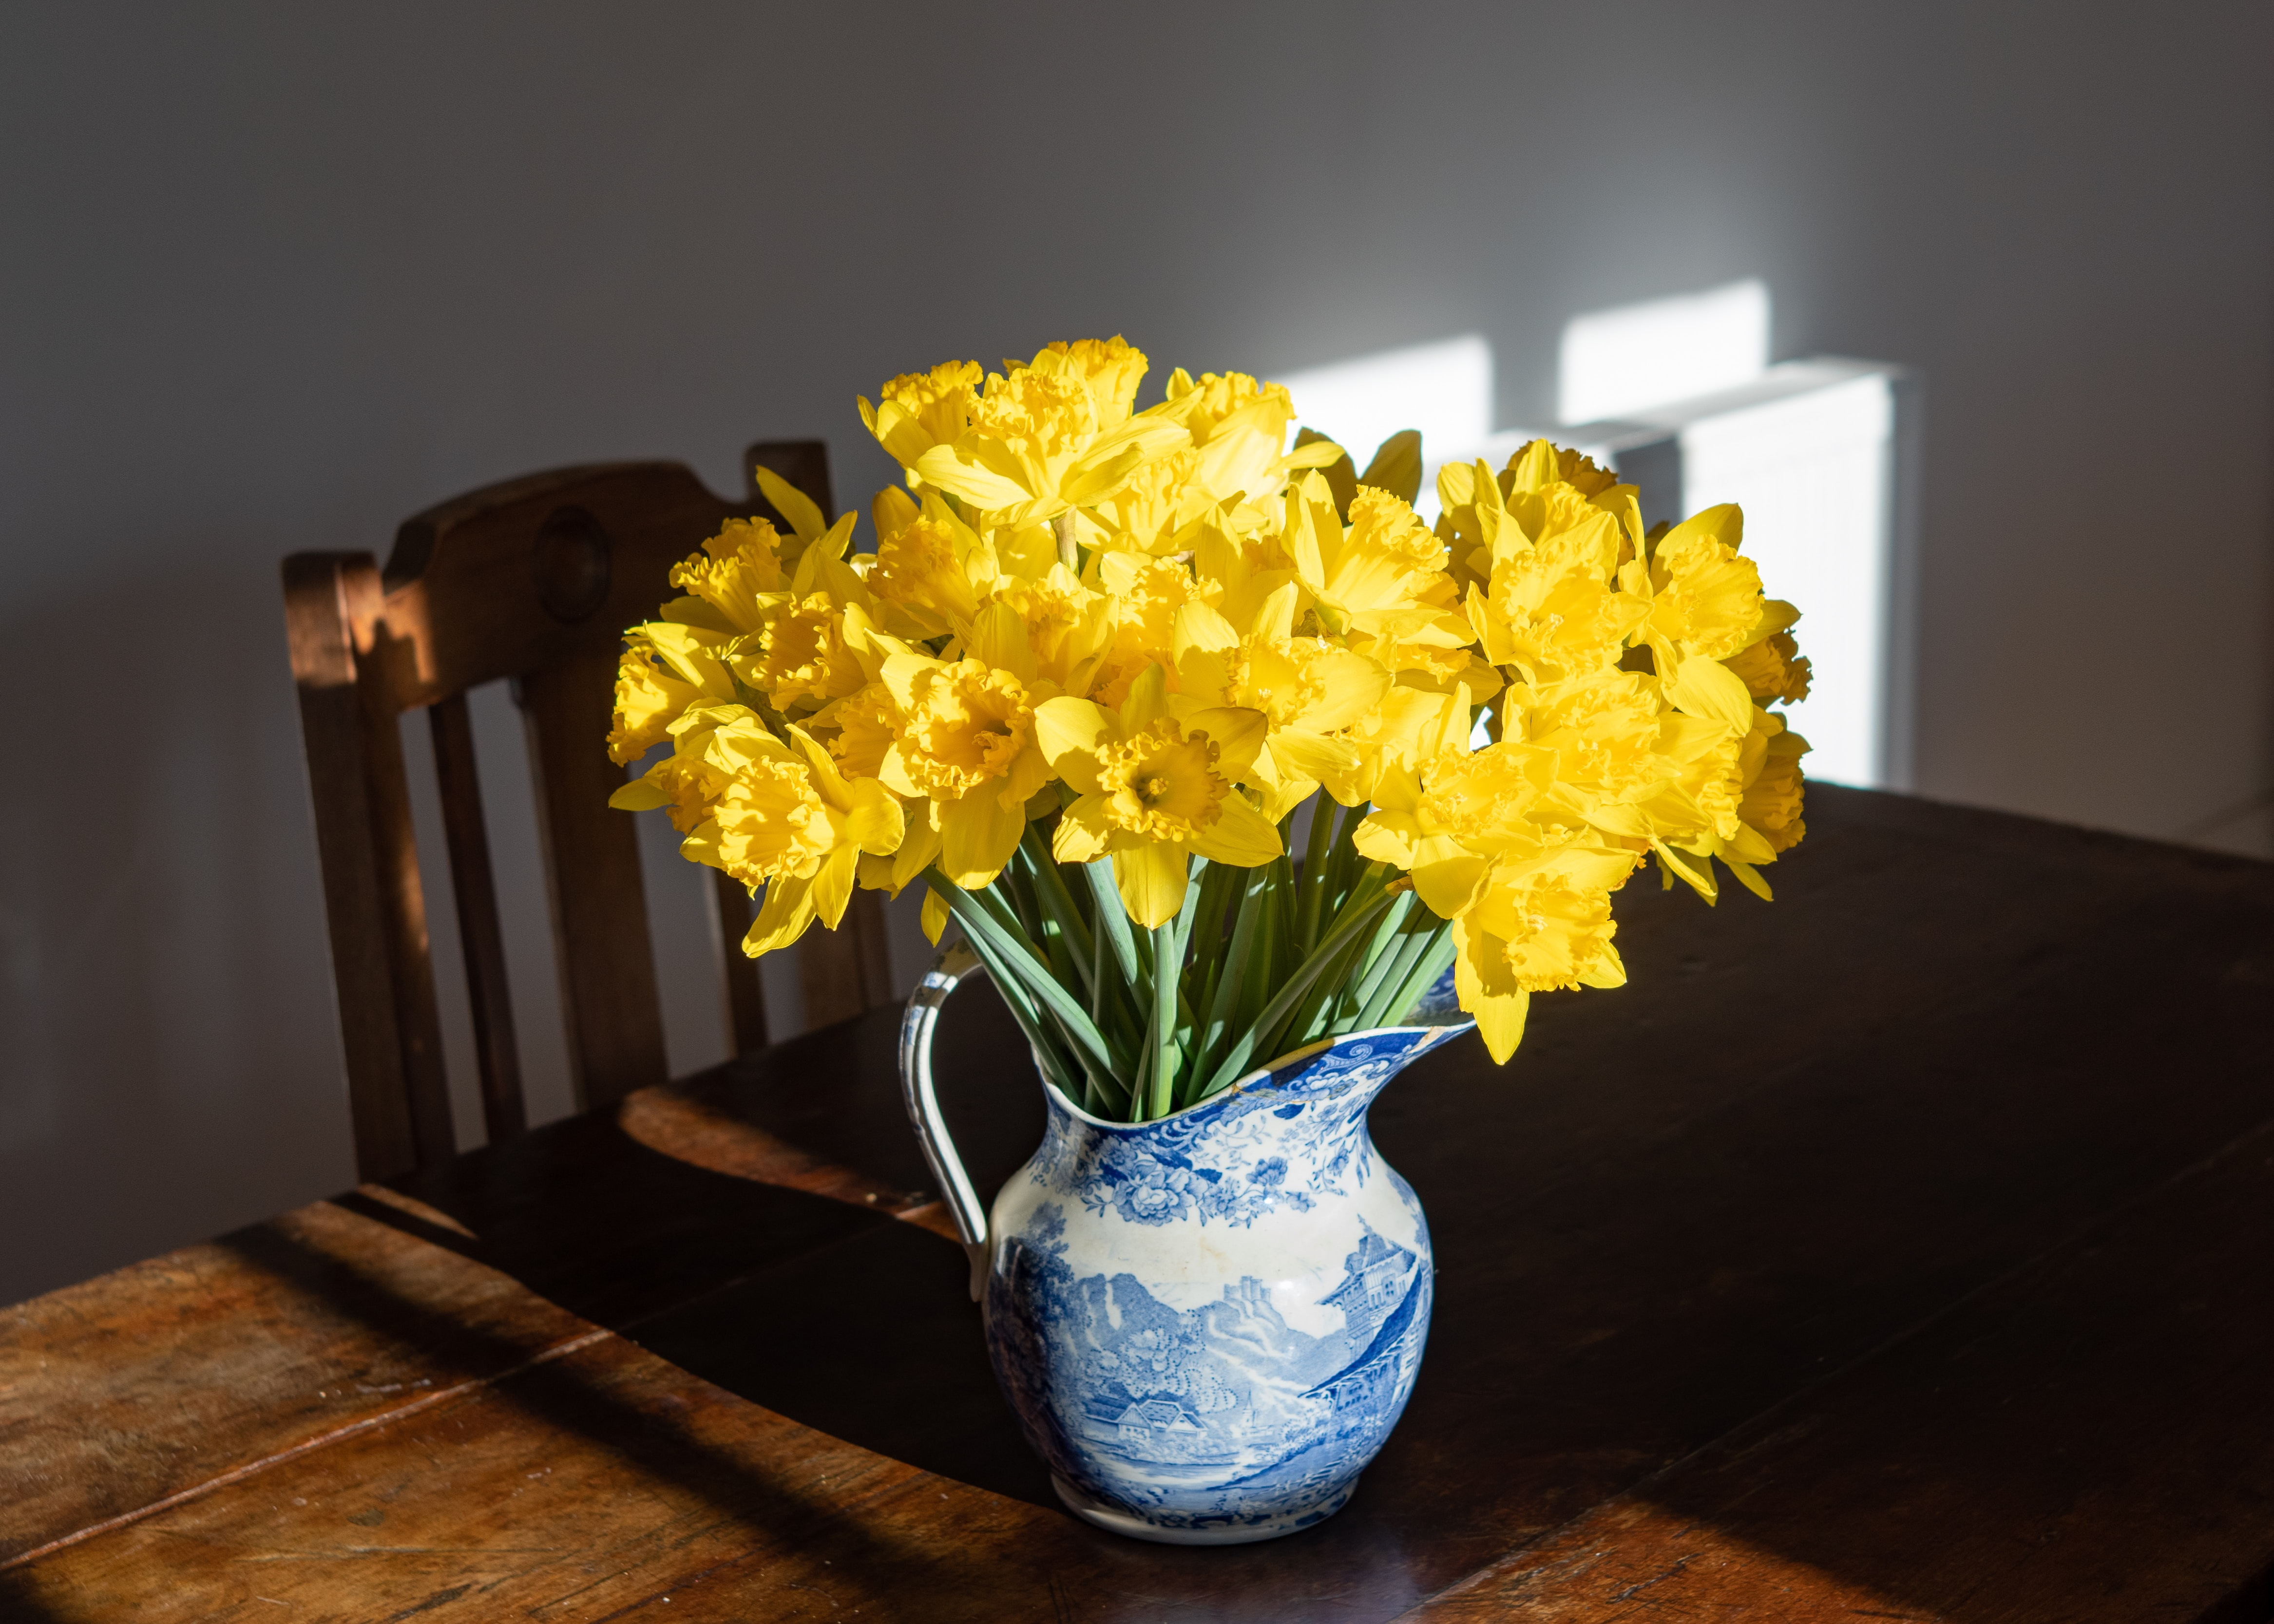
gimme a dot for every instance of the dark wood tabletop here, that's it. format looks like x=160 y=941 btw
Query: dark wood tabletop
x=1902 y=1250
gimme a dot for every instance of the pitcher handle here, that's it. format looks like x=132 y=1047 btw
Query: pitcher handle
x=948 y=973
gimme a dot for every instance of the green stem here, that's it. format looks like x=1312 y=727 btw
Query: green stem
x=1097 y=979
x=1056 y=1065
x=1020 y=959
x=1428 y=966
x=1223 y=997
x=1313 y=1017
x=1393 y=941
x=1058 y=903
x=1290 y=924
x=1114 y=920
x=1013 y=887
x=1352 y=923
x=1315 y=864
x=1165 y=959
x=1141 y=1089
x=1262 y=967
x=1346 y=858
x=1217 y=880
x=1195 y=883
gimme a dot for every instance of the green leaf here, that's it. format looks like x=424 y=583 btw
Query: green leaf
x=1354 y=920
x=1019 y=960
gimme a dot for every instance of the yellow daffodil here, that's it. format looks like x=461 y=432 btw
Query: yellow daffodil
x=1156 y=633
x=1446 y=824
x=1771 y=667
x=1538 y=926
x=1238 y=427
x=666 y=667
x=1040 y=438
x=1153 y=791
x=1704 y=598
x=919 y=411
x=1551 y=610
x=731 y=580
x=966 y=744
x=922 y=575
x=1772 y=801
x=789 y=821
x=1307 y=690
x=1385 y=562
x=1397 y=735
x=685 y=783
x=1068 y=628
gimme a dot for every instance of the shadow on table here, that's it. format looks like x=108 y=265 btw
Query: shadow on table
x=852 y=1322
x=566 y=1399
x=1792 y=1140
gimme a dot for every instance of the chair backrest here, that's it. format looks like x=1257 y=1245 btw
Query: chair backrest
x=532 y=580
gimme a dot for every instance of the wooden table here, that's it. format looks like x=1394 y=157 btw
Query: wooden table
x=1902 y=1250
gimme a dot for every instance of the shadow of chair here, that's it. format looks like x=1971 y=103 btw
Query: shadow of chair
x=531 y=580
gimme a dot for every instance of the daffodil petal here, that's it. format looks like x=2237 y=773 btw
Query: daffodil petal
x=1069 y=732
x=977 y=835
x=1237 y=732
x=876 y=824
x=1082 y=832
x=1241 y=836
x=782 y=919
x=1151 y=879
x=1449 y=886
x=833 y=885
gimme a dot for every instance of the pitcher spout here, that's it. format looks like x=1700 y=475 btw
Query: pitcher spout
x=1282 y=1137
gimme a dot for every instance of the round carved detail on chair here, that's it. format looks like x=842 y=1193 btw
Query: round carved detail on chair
x=571 y=564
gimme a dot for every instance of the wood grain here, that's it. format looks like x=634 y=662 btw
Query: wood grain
x=150 y=1382
x=600 y=1483
x=848 y=970
x=1799 y=1262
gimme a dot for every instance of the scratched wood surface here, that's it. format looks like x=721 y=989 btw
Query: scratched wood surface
x=1898 y=1250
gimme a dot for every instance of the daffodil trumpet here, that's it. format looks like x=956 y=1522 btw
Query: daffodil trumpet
x=1207 y=743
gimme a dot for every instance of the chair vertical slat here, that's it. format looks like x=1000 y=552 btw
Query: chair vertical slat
x=849 y=970
x=375 y=907
x=746 y=1003
x=331 y=718
x=457 y=779
x=592 y=874
x=433 y=1133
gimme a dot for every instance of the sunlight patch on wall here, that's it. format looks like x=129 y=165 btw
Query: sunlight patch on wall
x=1614 y=362
x=1812 y=471
x=1444 y=389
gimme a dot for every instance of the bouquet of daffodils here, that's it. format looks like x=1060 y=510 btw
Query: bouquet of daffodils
x=1107 y=668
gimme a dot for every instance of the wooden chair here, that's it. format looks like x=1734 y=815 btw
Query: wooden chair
x=532 y=580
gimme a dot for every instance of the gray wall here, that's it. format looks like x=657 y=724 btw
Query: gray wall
x=272 y=277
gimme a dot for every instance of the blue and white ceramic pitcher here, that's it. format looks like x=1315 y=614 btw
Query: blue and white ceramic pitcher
x=1207 y=1324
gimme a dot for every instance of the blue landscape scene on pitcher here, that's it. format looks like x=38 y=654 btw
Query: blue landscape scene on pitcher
x=1208 y=1324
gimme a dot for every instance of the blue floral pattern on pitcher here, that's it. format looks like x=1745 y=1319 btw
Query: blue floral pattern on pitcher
x=1208 y=1325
